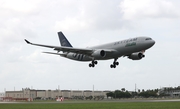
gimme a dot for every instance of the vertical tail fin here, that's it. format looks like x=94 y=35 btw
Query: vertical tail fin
x=63 y=41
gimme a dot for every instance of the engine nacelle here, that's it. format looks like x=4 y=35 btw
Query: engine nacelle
x=136 y=56
x=99 y=54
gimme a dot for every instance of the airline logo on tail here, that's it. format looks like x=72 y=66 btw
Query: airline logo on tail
x=63 y=41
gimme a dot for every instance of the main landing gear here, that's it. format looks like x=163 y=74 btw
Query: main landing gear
x=115 y=63
x=93 y=63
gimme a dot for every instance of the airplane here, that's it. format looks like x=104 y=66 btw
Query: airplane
x=133 y=48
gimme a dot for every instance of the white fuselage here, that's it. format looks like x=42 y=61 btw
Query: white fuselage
x=120 y=48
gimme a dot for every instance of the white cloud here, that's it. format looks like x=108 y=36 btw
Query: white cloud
x=71 y=24
x=92 y=15
x=24 y=6
x=87 y=23
x=142 y=9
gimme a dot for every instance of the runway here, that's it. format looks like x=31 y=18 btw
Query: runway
x=95 y=101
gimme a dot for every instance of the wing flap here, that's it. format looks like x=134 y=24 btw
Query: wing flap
x=61 y=54
x=64 y=49
x=74 y=50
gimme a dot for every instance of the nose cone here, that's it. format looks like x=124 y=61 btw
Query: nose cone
x=153 y=42
x=150 y=43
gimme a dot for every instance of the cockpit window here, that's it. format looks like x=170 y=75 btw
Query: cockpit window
x=148 y=39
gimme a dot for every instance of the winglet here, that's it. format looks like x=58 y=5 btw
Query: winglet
x=27 y=41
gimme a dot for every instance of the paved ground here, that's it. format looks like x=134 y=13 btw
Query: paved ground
x=91 y=101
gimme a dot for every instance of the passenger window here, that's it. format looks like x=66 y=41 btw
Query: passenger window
x=148 y=39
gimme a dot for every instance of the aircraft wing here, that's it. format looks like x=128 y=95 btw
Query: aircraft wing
x=86 y=51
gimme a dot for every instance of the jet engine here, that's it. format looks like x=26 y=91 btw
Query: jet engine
x=136 y=56
x=99 y=54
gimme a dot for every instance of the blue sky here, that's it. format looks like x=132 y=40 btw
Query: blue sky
x=87 y=23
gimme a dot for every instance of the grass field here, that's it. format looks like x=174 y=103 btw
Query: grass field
x=98 y=105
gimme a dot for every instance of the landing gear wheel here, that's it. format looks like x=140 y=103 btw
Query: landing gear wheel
x=93 y=63
x=113 y=66
x=114 y=63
